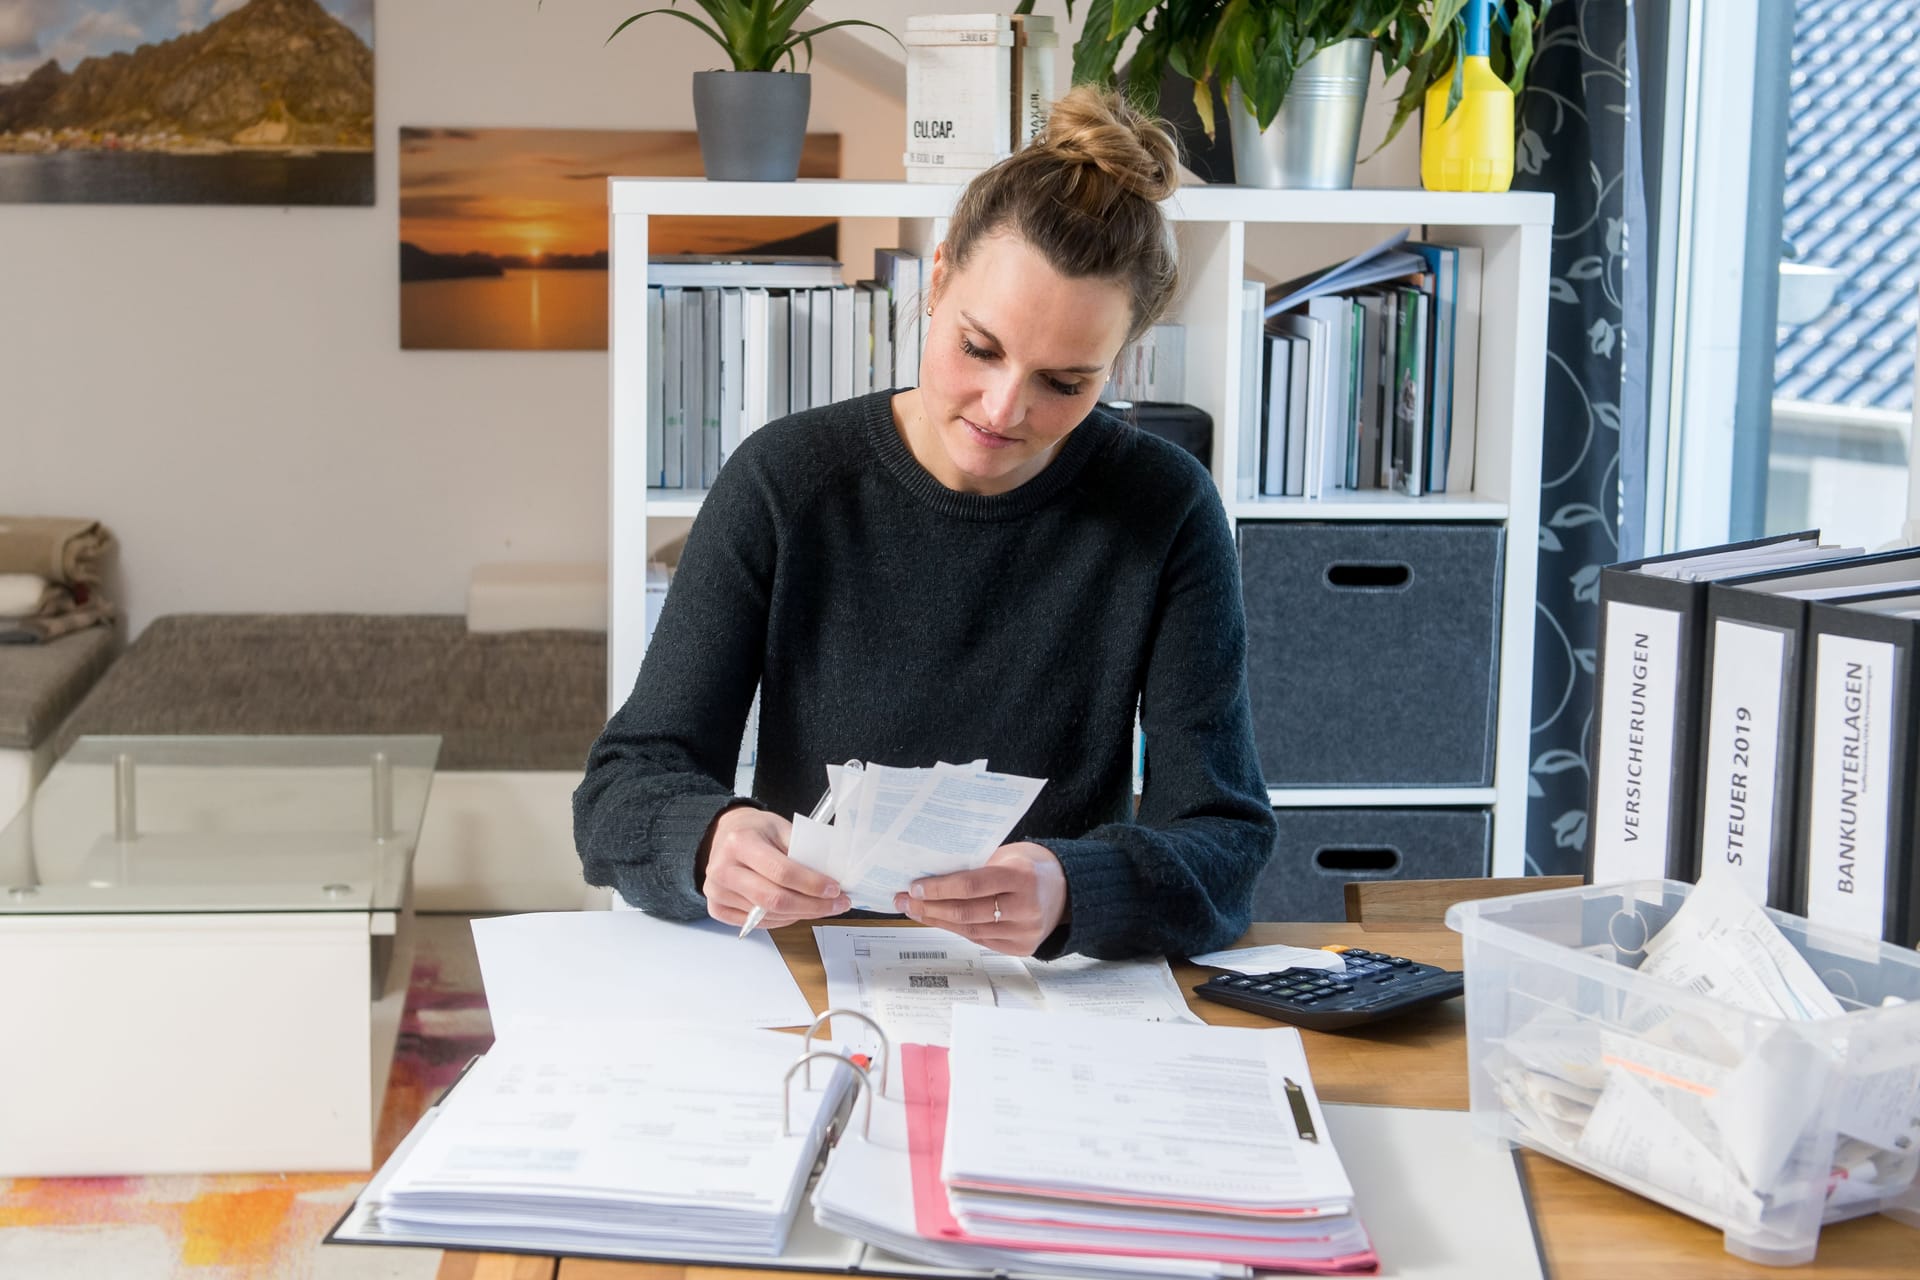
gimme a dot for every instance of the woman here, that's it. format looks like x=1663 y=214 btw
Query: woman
x=982 y=566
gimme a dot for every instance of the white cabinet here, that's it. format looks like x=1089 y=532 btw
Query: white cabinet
x=1220 y=230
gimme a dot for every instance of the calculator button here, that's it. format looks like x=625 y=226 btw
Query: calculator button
x=1241 y=982
x=1263 y=986
x=1399 y=962
x=1342 y=987
x=1355 y=953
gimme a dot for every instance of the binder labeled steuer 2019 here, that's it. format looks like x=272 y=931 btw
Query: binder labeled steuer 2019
x=1857 y=778
x=1641 y=820
x=1750 y=722
x=1750 y=739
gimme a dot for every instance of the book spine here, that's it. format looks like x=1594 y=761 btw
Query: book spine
x=656 y=388
x=959 y=98
x=673 y=415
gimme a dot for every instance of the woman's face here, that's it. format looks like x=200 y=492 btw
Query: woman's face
x=1015 y=357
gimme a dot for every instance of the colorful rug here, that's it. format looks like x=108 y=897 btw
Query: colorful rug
x=257 y=1226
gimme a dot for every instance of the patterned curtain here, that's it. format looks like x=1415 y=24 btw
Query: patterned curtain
x=1579 y=139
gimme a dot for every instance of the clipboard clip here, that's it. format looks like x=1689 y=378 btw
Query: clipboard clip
x=865 y=1084
x=1302 y=1114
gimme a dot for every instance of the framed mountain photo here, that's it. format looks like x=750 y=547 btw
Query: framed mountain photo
x=260 y=102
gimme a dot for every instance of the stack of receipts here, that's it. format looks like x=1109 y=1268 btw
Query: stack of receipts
x=1088 y=1146
x=636 y=1140
x=881 y=828
x=1734 y=1119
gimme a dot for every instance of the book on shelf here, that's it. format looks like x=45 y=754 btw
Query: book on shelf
x=1392 y=396
x=673 y=417
x=1152 y=370
x=1384 y=261
x=741 y=270
x=979 y=86
x=725 y=359
x=1410 y=394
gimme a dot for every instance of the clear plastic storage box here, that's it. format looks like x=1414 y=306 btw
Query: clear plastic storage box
x=1766 y=1127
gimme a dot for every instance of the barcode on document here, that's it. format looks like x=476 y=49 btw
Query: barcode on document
x=923 y=955
x=937 y=981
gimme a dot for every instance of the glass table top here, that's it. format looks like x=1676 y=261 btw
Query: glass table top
x=220 y=824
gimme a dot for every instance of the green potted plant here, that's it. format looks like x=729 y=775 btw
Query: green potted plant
x=753 y=118
x=1260 y=50
x=1295 y=71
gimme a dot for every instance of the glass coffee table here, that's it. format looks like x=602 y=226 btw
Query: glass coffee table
x=208 y=942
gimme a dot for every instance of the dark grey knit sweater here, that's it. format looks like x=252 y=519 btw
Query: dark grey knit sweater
x=891 y=619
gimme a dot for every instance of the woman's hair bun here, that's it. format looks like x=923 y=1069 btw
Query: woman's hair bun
x=1096 y=127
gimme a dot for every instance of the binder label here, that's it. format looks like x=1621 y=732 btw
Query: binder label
x=1847 y=814
x=1640 y=683
x=1743 y=743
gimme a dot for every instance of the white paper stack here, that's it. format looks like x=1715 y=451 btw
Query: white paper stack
x=654 y=1139
x=1158 y=1139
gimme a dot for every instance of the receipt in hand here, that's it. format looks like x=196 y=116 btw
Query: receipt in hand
x=887 y=827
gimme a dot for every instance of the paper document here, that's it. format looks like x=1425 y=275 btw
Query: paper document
x=1272 y=959
x=910 y=980
x=615 y=966
x=1720 y=943
x=884 y=827
x=1134 y=1109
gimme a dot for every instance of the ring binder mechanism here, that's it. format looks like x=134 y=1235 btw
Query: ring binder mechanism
x=886 y=1045
x=806 y=1060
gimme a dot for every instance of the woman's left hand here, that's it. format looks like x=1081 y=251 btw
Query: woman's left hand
x=1009 y=905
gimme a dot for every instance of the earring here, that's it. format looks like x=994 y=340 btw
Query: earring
x=929 y=308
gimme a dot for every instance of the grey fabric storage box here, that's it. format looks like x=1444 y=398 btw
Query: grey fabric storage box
x=1373 y=651
x=1318 y=850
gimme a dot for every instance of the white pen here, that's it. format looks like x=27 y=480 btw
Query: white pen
x=822 y=811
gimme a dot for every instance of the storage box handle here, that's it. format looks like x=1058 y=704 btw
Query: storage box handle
x=1348 y=861
x=1369 y=575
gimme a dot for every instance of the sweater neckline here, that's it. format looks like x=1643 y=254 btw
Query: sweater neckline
x=889 y=446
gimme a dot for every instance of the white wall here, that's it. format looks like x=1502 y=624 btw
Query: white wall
x=224 y=386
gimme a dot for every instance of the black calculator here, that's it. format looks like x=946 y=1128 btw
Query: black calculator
x=1374 y=986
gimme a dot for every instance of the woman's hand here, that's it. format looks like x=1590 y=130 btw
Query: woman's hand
x=1010 y=905
x=748 y=867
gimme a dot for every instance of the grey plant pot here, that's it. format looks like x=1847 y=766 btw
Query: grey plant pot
x=1315 y=139
x=752 y=123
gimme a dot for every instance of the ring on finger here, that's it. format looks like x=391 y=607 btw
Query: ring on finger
x=996 y=908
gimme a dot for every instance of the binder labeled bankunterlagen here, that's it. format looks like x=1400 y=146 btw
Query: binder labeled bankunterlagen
x=1857 y=780
x=1750 y=738
x=1641 y=819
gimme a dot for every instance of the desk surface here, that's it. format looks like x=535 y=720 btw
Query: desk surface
x=1591 y=1229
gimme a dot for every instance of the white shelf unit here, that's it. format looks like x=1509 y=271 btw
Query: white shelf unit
x=1214 y=226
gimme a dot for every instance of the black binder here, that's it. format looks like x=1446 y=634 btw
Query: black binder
x=1857 y=777
x=1645 y=741
x=1760 y=610
x=1750 y=712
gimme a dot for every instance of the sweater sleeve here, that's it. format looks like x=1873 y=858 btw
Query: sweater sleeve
x=663 y=767
x=1179 y=879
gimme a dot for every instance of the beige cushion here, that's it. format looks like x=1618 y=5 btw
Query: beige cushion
x=41 y=683
x=537 y=597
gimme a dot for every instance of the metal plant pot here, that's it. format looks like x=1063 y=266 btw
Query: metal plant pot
x=1315 y=139
x=752 y=123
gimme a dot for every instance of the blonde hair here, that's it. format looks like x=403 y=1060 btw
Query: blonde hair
x=1086 y=196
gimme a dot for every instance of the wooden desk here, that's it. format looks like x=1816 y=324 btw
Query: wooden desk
x=1592 y=1230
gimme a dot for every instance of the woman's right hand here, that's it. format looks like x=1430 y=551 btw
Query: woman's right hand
x=748 y=867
